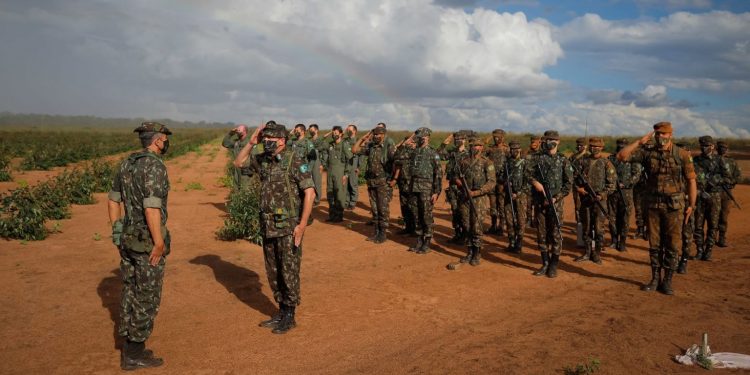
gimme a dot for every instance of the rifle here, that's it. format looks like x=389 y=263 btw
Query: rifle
x=466 y=192
x=509 y=189
x=729 y=194
x=548 y=199
x=590 y=190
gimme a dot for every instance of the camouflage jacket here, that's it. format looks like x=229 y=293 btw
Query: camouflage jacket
x=578 y=155
x=666 y=171
x=557 y=171
x=628 y=173
x=451 y=157
x=598 y=172
x=734 y=171
x=711 y=172
x=401 y=162
x=426 y=171
x=498 y=154
x=141 y=182
x=379 y=163
x=479 y=173
x=517 y=175
x=338 y=157
x=304 y=148
x=283 y=179
x=233 y=142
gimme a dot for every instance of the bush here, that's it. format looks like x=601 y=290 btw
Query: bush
x=78 y=185
x=21 y=216
x=5 y=169
x=243 y=209
x=53 y=201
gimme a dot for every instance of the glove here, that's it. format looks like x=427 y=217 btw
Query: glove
x=116 y=232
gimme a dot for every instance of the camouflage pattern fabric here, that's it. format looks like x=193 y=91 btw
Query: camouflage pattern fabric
x=497 y=153
x=518 y=177
x=401 y=161
x=735 y=174
x=378 y=172
x=687 y=236
x=576 y=198
x=233 y=142
x=451 y=192
x=628 y=174
x=711 y=173
x=480 y=176
x=559 y=180
x=338 y=158
x=426 y=180
x=601 y=175
x=639 y=199
x=282 y=260
x=141 y=294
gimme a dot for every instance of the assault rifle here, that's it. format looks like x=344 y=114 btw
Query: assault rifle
x=590 y=190
x=509 y=189
x=730 y=195
x=466 y=192
x=549 y=200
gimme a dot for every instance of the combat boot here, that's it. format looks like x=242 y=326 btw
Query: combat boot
x=698 y=252
x=287 y=321
x=644 y=233
x=275 y=319
x=586 y=256
x=682 y=266
x=425 y=248
x=552 y=270
x=135 y=356
x=493 y=226
x=382 y=237
x=518 y=245
x=469 y=255
x=665 y=287
x=545 y=264
x=458 y=236
x=623 y=248
x=374 y=236
x=654 y=283
x=707 y=253
x=476 y=256
x=722 y=240
x=418 y=245
x=595 y=254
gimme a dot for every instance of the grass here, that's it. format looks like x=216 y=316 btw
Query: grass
x=586 y=368
x=193 y=186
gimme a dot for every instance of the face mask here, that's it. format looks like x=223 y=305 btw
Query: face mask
x=459 y=142
x=596 y=151
x=377 y=141
x=722 y=150
x=349 y=133
x=421 y=141
x=549 y=145
x=269 y=146
x=475 y=151
x=661 y=141
x=312 y=133
x=335 y=137
x=515 y=153
x=165 y=146
x=706 y=149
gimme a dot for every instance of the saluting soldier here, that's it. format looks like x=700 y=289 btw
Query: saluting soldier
x=726 y=202
x=379 y=178
x=515 y=201
x=425 y=186
x=316 y=163
x=621 y=201
x=352 y=183
x=497 y=152
x=402 y=175
x=234 y=141
x=670 y=173
x=687 y=230
x=452 y=158
x=711 y=174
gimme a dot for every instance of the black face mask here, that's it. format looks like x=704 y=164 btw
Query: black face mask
x=421 y=141
x=335 y=137
x=269 y=146
x=549 y=145
x=165 y=146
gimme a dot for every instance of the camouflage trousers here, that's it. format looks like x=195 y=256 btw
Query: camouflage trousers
x=516 y=230
x=451 y=195
x=406 y=213
x=421 y=206
x=576 y=204
x=687 y=236
x=707 y=211
x=592 y=220
x=472 y=221
x=283 y=260
x=726 y=204
x=664 y=236
x=619 y=212
x=380 y=200
x=531 y=211
x=317 y=177
x=548 y=236
x=336 y=192
x=640 y=206
x=496 y=205
x=141 y=294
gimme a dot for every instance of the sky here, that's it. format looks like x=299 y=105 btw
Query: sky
x=607 y=67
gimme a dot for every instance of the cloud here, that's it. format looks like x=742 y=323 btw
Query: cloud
x=683 y=49
x=651 y=96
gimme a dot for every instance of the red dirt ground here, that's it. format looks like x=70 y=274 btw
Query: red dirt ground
x=366 y=308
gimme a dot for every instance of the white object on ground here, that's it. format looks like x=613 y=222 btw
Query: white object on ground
x=718 y=360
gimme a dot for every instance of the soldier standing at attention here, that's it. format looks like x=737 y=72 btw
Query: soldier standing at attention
x=141 y=186
x=711 y=174
x=425 y=186
x=687 y=231
x=670 y=171
x=621 y=201
x=639 y=198
x=497 y=153
x=726 y=201
x=580 y=152
x=352 y=185
x=402 y=175
x=235 y=140
x=534 y=149
x=286 y=201
x=379 y=178
x=600 y=174
x=515 y=203
x=338 y=157
x=316 y=164
x=452 y=158
x=549 y=172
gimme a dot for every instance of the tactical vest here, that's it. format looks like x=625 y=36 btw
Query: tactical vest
x=421 y=164
x=474 y=172
x=624 y=171
x=665 y=172
x=708 y=168
x=275 y=183
x=379 y=168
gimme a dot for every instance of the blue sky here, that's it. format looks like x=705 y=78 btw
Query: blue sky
x=520 y=65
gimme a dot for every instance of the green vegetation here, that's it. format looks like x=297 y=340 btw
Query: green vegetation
x=193 y=186
x=243 y=219
x=587 y=368
x=5 y=167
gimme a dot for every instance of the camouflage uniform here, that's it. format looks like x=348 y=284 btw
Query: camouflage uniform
x=517 y=176
x=530 y=207
x=378 y=173
x=426 y=180
x=479 y=174
x=497 y=153
x=599 y=172
x=667 y=171
x=233 y=142
x=640 y=206
x=452 y=158
x=140 y=182
x=573 y=159
x=711 y=174
x=352 y=182
x=558 y=180
x=338 y=157
x=620 y=202
x=401 y=162
x=726 y=202
x=687 y=231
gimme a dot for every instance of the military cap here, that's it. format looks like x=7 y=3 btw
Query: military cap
x=622 y=141
x=663 y=127
x=535 y=138
x=514 y=145
x=498 y=132
x=596 y=141
x=378 y=130
x=706 y=140
x=552 y=134
x=474 y=141
x=152 y=127
x=461 y=134
x=423 y=132
x=581 y=141
x=722 y=144
x=275 y=130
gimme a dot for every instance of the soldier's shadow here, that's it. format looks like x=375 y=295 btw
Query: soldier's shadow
x=109 y=290
x=242 y=282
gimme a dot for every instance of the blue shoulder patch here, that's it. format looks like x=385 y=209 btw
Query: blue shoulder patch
x=304 y=168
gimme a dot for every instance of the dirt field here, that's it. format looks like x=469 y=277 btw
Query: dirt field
x=366 y=308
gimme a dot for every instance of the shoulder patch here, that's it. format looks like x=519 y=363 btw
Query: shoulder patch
x=304 y=168
x=437 y=157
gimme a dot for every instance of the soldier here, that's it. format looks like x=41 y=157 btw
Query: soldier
x=670 y=171
x=379 y=178
x=534 y=149
x=303 y=147
x=478 y=174
x=580 y=152
x=452 y=158
x=595 y=180
x=639 y=198
x=286 y=201
x=402 y=175
x=726 y=201
x=141 y=185
x=550 y=174
x=352 y=185
x=619 y=203
x=711 y=174
x=387 y=142
x=316 y=164
x=687 y=231
x=497 y=153
x=338 y=158
x=235 y=140
x=515 y=176
x=425 y=186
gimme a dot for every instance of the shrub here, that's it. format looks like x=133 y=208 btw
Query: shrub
x=243 y=209
x=5 y=169
x=21 y=216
